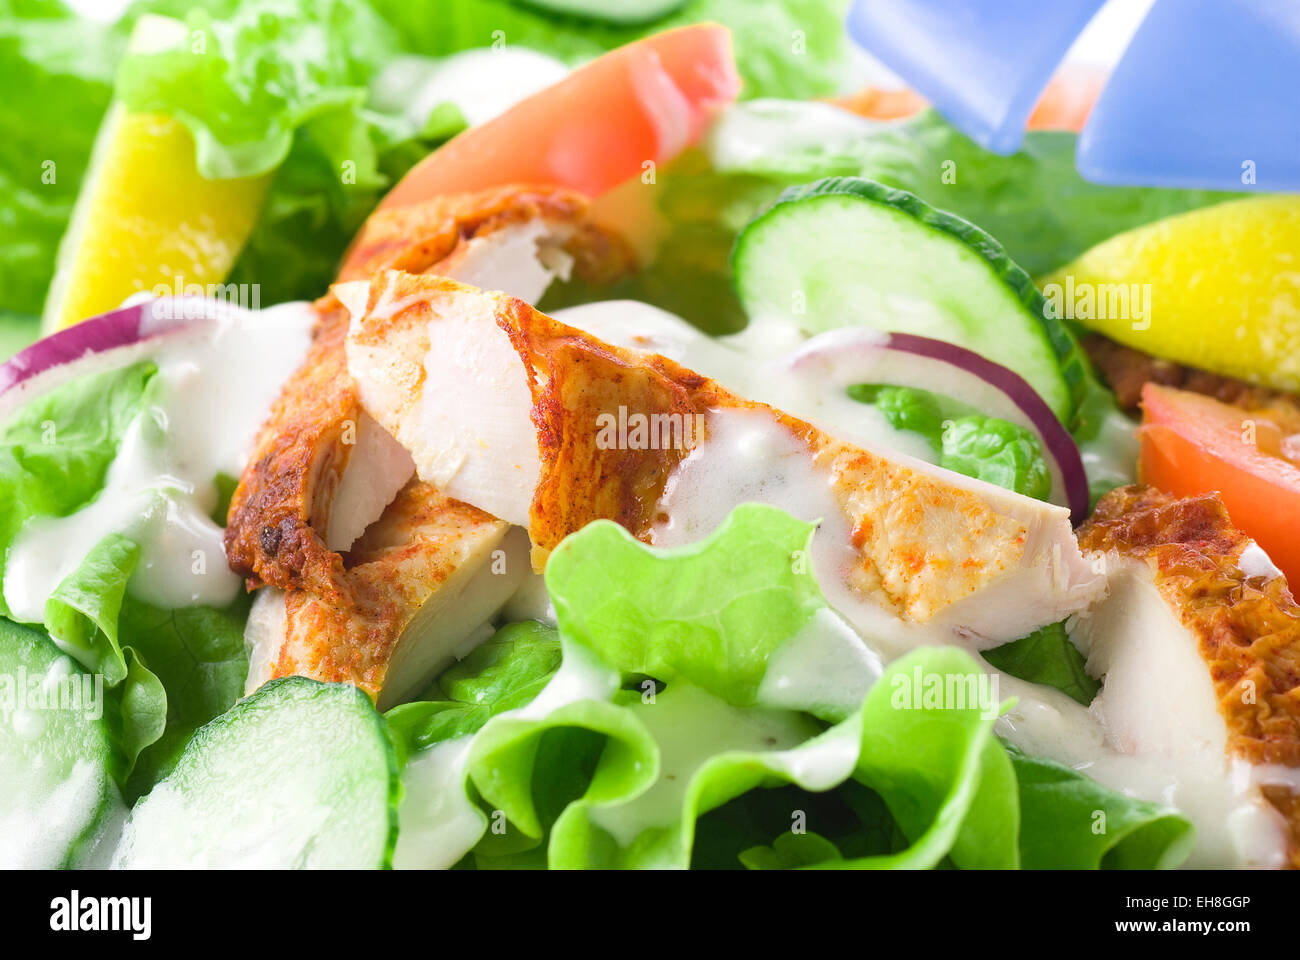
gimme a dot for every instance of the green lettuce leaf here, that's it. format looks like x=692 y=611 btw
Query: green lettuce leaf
x=1047 y=656
x=82 y=612
x=666 y=614
x=998 y=452
x=987 y=448
x=1069 y=822
x=55 y=65
x=282 y=85
x=198 y=658
x=706 y=621
x=172 y=670
x=142 y=706
x=17 y=331
x=784 y=48
x=255 y=72
x=790 y=851
x=667 y=762
x=658 y=743
x=55 y=450
x=504 y=672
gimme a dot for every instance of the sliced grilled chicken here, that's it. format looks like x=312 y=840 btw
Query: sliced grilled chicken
x=537 y=422
x=314 y=515
x=1198 y=642
x=298 y=504
x=419 y=586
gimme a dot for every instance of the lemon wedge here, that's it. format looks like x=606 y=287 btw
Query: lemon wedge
x=1216 y=288
x=145 y=219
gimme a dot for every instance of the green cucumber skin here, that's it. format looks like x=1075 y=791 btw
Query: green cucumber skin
x=623 y=13
x=1072 y=362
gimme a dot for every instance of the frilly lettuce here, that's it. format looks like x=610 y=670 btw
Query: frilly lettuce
x=170 y=670
x=665 y=614
x=56 y=449
x=256 y=72
x=784 y=48
x=283 y=85
x=55 y=65
x=657 y=742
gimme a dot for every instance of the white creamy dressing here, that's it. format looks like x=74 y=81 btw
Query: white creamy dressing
x=438 y=823
x=1255 y=562
x=676 y=719
x=216 y=382
x=750 y=458
x=753 y=364
x=481 y=84
x=826 y=669
x=1117 y=742
x=749 y=132
x=1154 y=731
x=1111 y=456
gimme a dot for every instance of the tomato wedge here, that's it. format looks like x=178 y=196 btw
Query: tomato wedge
x=596 y=128
x=1193 y=444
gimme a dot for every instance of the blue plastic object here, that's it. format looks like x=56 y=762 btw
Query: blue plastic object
x=1207 y=95
x=982 y=63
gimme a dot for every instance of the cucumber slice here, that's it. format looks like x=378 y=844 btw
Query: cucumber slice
x=845 y=251
x=299 y=775
x=58 y=760
x=622 y=12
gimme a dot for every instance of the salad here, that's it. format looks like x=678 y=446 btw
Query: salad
x=493 y=435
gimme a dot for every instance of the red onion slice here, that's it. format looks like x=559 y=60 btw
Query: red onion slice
x=851 y=355
x=85 y=343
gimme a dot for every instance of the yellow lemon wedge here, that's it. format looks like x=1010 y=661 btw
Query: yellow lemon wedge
x=144 y=218
x=1216 y=288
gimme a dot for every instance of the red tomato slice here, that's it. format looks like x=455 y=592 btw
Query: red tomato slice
x=595 y=128
x=1193 y=444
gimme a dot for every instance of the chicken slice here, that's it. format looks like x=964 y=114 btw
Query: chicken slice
x=418 y=589
x=363 y=583
x=1198 y=641
x=536 y=422
x=321 y=472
